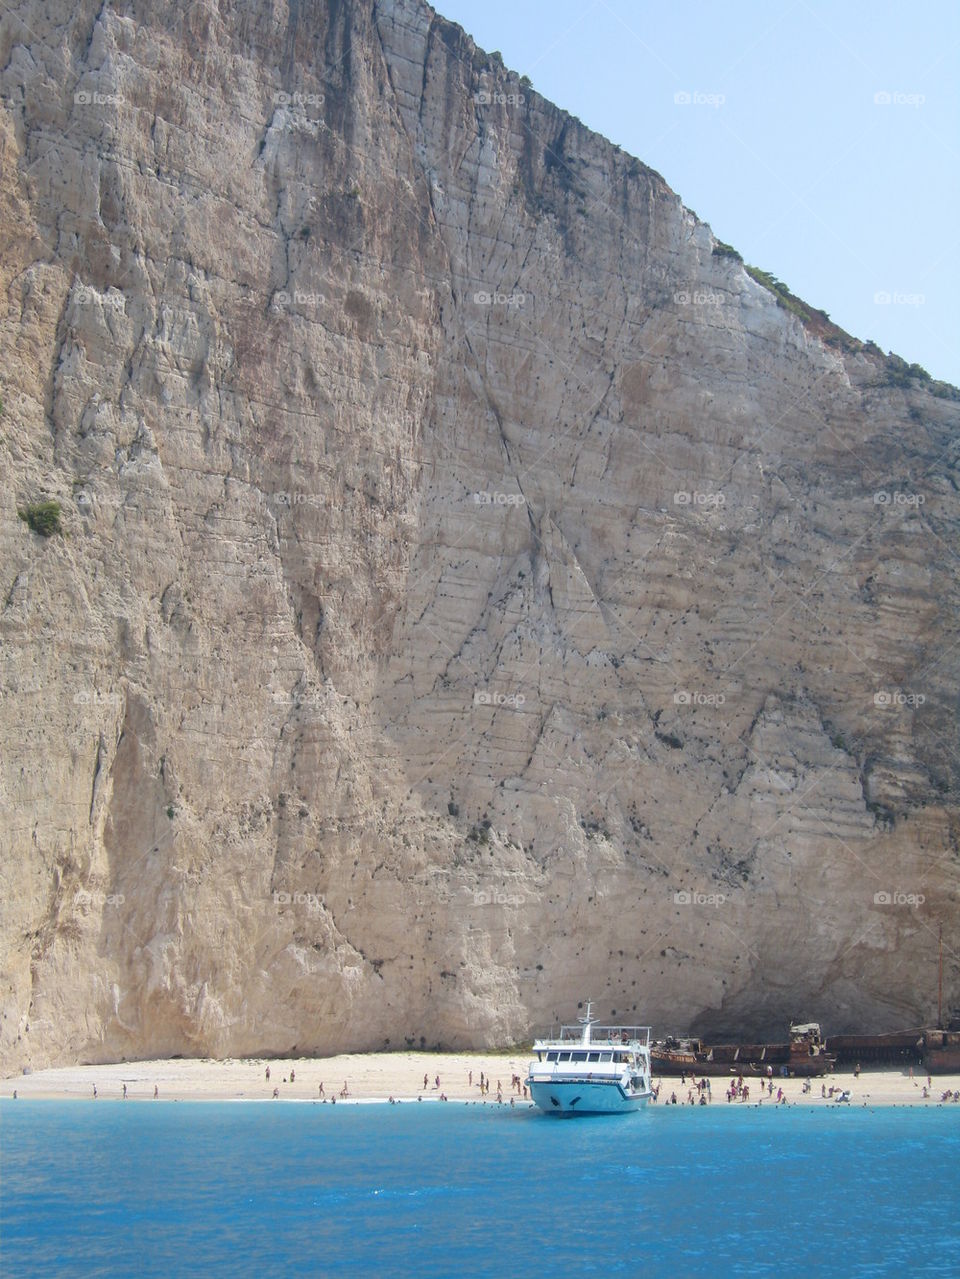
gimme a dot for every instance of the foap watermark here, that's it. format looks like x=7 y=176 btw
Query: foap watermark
x=898 y=698
x=513 y=301
x=86 y=501
x=84 y=897
x=283 y=99
x=695 y=98
x=695 y=698
x=308 y=900
x=885 y=498
x=304 y=701
x=114 y=300
x=689 y=897
x=884 y=297
x=897 y=98
x=91 y=697
x=898 y=899
x=299 y=297
x=482 y=697
x=497 y=897
x=498 y=499
x=285 y=498
x=498 y=99
x=684 y=498
x=697 y=297
x=93 y=98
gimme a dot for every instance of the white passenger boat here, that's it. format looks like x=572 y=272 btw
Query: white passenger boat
x=590 y=1069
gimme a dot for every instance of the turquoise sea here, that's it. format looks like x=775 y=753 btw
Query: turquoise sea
x=169 y=1189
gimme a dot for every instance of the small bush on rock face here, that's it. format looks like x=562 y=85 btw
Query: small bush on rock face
x=42 y=517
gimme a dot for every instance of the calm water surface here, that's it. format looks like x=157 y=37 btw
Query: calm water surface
x=114 y=1188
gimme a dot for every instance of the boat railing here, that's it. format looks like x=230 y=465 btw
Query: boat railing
x=604 y=1036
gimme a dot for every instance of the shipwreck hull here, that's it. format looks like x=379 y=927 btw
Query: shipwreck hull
x=941 y=1052
x=729 y=1061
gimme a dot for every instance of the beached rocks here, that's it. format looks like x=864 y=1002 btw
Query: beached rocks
x=476 y=592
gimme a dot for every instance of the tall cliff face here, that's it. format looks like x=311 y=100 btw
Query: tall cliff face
x=475 y=592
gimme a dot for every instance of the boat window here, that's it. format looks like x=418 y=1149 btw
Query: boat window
x=593 y=1057
x=563 y=1057
x=578 y=1056
x=551 y=1056
x=606 y=1056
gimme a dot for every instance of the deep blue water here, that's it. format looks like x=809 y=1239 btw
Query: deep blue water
x=113 y=1188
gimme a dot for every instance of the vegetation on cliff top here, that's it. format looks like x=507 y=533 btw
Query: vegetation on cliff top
x=897 y=371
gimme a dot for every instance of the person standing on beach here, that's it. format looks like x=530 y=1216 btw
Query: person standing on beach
x=426 y=1082
x=124 y=1092
x=94 y=1092
x=293 y=1074
x=268 y=1074
x=470 y=1078
x=320 y=1093
x=156 y=1091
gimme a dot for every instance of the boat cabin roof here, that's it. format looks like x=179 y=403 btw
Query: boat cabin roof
x=593 y=1052
x=597 y=1037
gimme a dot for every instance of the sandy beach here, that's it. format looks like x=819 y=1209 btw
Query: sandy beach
x=379 y=1076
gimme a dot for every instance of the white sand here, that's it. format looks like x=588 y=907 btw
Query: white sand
x=377 y=1076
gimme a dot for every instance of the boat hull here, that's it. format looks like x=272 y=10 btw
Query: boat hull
x=573 y=1097
x=669 y=1063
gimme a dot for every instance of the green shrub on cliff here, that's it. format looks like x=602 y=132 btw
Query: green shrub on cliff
x=42 y=517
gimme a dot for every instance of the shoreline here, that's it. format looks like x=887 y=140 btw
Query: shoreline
x=375 y=1078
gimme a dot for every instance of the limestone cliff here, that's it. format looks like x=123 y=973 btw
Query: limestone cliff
x=475 y=590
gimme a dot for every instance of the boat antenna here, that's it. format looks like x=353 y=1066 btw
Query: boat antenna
x=586 y=1021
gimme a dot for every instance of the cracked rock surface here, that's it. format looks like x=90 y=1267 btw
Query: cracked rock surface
x=475 y=594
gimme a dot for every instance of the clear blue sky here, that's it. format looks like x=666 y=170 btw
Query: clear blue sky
x=841 y=196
